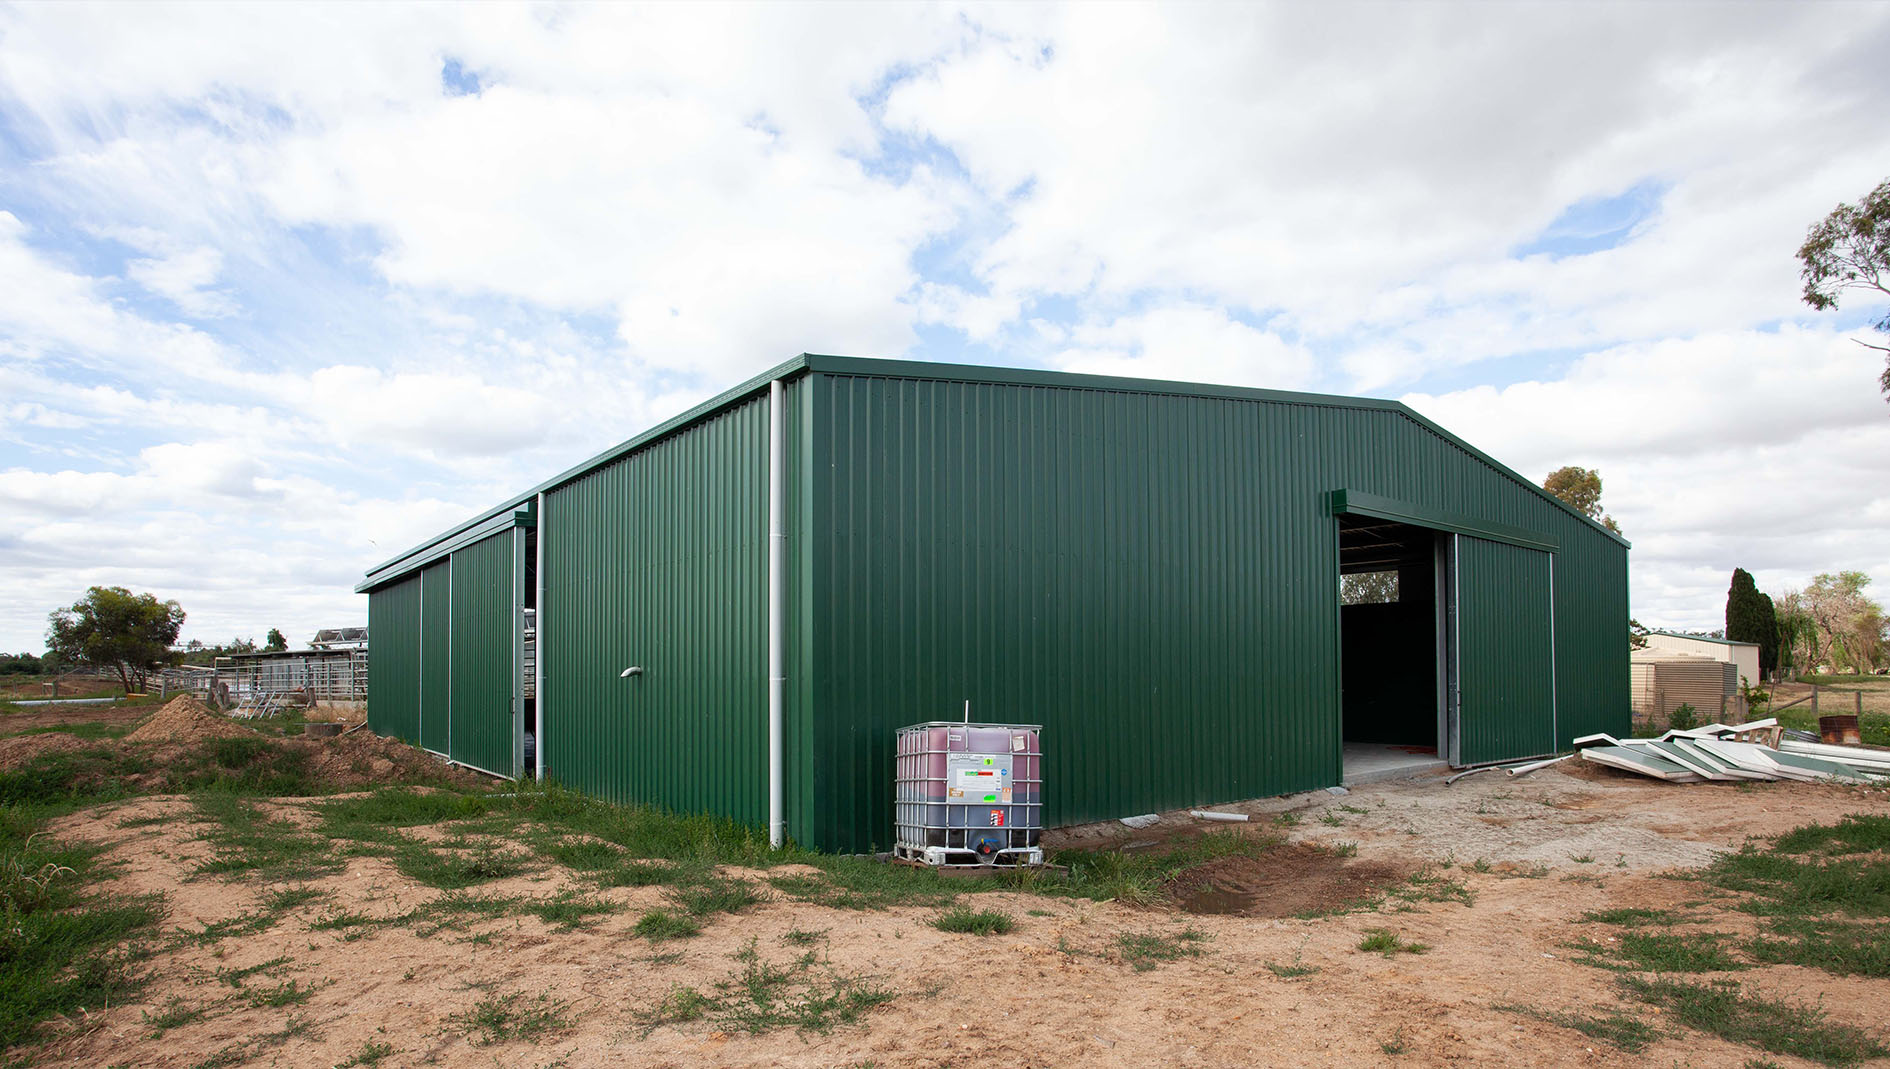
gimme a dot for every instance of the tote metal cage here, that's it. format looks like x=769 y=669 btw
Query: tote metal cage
x=968 y=795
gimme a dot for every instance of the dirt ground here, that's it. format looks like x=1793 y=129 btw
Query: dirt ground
x=1532 y=853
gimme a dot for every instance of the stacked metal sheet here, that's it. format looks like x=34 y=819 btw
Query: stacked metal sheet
x=1717 y=752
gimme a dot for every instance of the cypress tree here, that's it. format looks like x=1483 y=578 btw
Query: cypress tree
x=1768 y=636
x=1750 y=618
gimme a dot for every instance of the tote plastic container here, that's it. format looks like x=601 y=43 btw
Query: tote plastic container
x=968 y=794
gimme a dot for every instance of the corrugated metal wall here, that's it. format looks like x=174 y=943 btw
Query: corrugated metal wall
x=1153 y=577
x=659 y=560
x=484 y=630
x=1506 y=654
x=394 y=683
x=436 y=653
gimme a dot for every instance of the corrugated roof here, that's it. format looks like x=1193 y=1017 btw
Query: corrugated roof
x=439 y=545
x=1703 y=638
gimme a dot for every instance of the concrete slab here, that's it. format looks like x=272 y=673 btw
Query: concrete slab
x=1371 y=762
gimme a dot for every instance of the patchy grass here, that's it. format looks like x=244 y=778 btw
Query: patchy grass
x=1143 y=952
x=450 y=869
x=806 y=995
x=658 y=925
x=91 y=731
x=1140 y=878
x=503 y=1018
x=246 y=842
x=287 y=993
x=175 y=1014
x=289 y=898
x=965 y=921
x=1822 y=893
x=65 y=947
x=71 y=778
x=1294 y=971
x=1387 y=942
x=369 y=1054
x=1723 y=1009
x=569 y=912
x=1632 y=918
x=716 y=895
x=1661 y=952
x=235 y=977
x=1630 y=1034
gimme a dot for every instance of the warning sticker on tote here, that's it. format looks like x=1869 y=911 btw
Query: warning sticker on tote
x=978 y=777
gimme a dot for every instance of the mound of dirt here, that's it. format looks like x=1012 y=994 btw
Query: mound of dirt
x=366 y=760
x=1285 y=881
x=184 y=719
x=17 y=751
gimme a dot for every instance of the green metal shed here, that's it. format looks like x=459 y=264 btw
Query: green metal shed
x=732 y=612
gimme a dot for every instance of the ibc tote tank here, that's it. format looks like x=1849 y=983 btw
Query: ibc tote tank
x=968 y=794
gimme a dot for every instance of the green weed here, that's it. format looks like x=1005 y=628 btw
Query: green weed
x=288 y=993
x=804 y=995
x=1630 y=1034
x=370 y=1054
x=1143 y=952
x=175 y=1014
x=501 y=1018
x=1385 y=941
x=968 y=922
x=1631 y=918
x=1723 y=1009
x=568 y=912
x=715 y=895
x=235 y=977
x=657 y=925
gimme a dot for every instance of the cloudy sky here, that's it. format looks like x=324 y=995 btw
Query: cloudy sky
x=284 y=289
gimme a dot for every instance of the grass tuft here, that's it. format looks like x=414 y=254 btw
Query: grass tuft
x=965 y=921
x=658 y=925
x=1630 y=1034
x=1145 y=951
x=1723 y=1009
x=502 y=1018
x=1387 y=942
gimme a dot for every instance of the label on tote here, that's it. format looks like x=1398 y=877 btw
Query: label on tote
x=978 y=777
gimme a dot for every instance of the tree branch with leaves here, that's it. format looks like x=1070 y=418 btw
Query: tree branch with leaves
x=1850 y=250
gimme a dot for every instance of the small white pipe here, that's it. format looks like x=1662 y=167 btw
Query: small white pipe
x=1225 y=818
x=1524 y=770
x=538 y=646
x=777 y=612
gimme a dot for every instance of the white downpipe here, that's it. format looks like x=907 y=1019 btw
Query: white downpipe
x=538 y=644
x=777 y=612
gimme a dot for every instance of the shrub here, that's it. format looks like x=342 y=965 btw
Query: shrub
x=1684 y=718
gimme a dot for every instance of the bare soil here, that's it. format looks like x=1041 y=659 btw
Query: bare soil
x=1533 y=853
x=45 y=716
x=21 y=749
x=1293 y=879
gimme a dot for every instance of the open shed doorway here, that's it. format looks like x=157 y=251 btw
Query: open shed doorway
x=1393 y=650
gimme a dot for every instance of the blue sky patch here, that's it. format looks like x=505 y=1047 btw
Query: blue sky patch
x=1595 y=224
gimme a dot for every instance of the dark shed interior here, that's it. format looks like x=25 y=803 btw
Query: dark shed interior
x=1388 y=625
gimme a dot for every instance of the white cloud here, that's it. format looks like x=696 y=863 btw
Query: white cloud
x=186 y=279
x=453 y=413
x=1188 y=342
x=1763 y=450
x=1320 y=160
